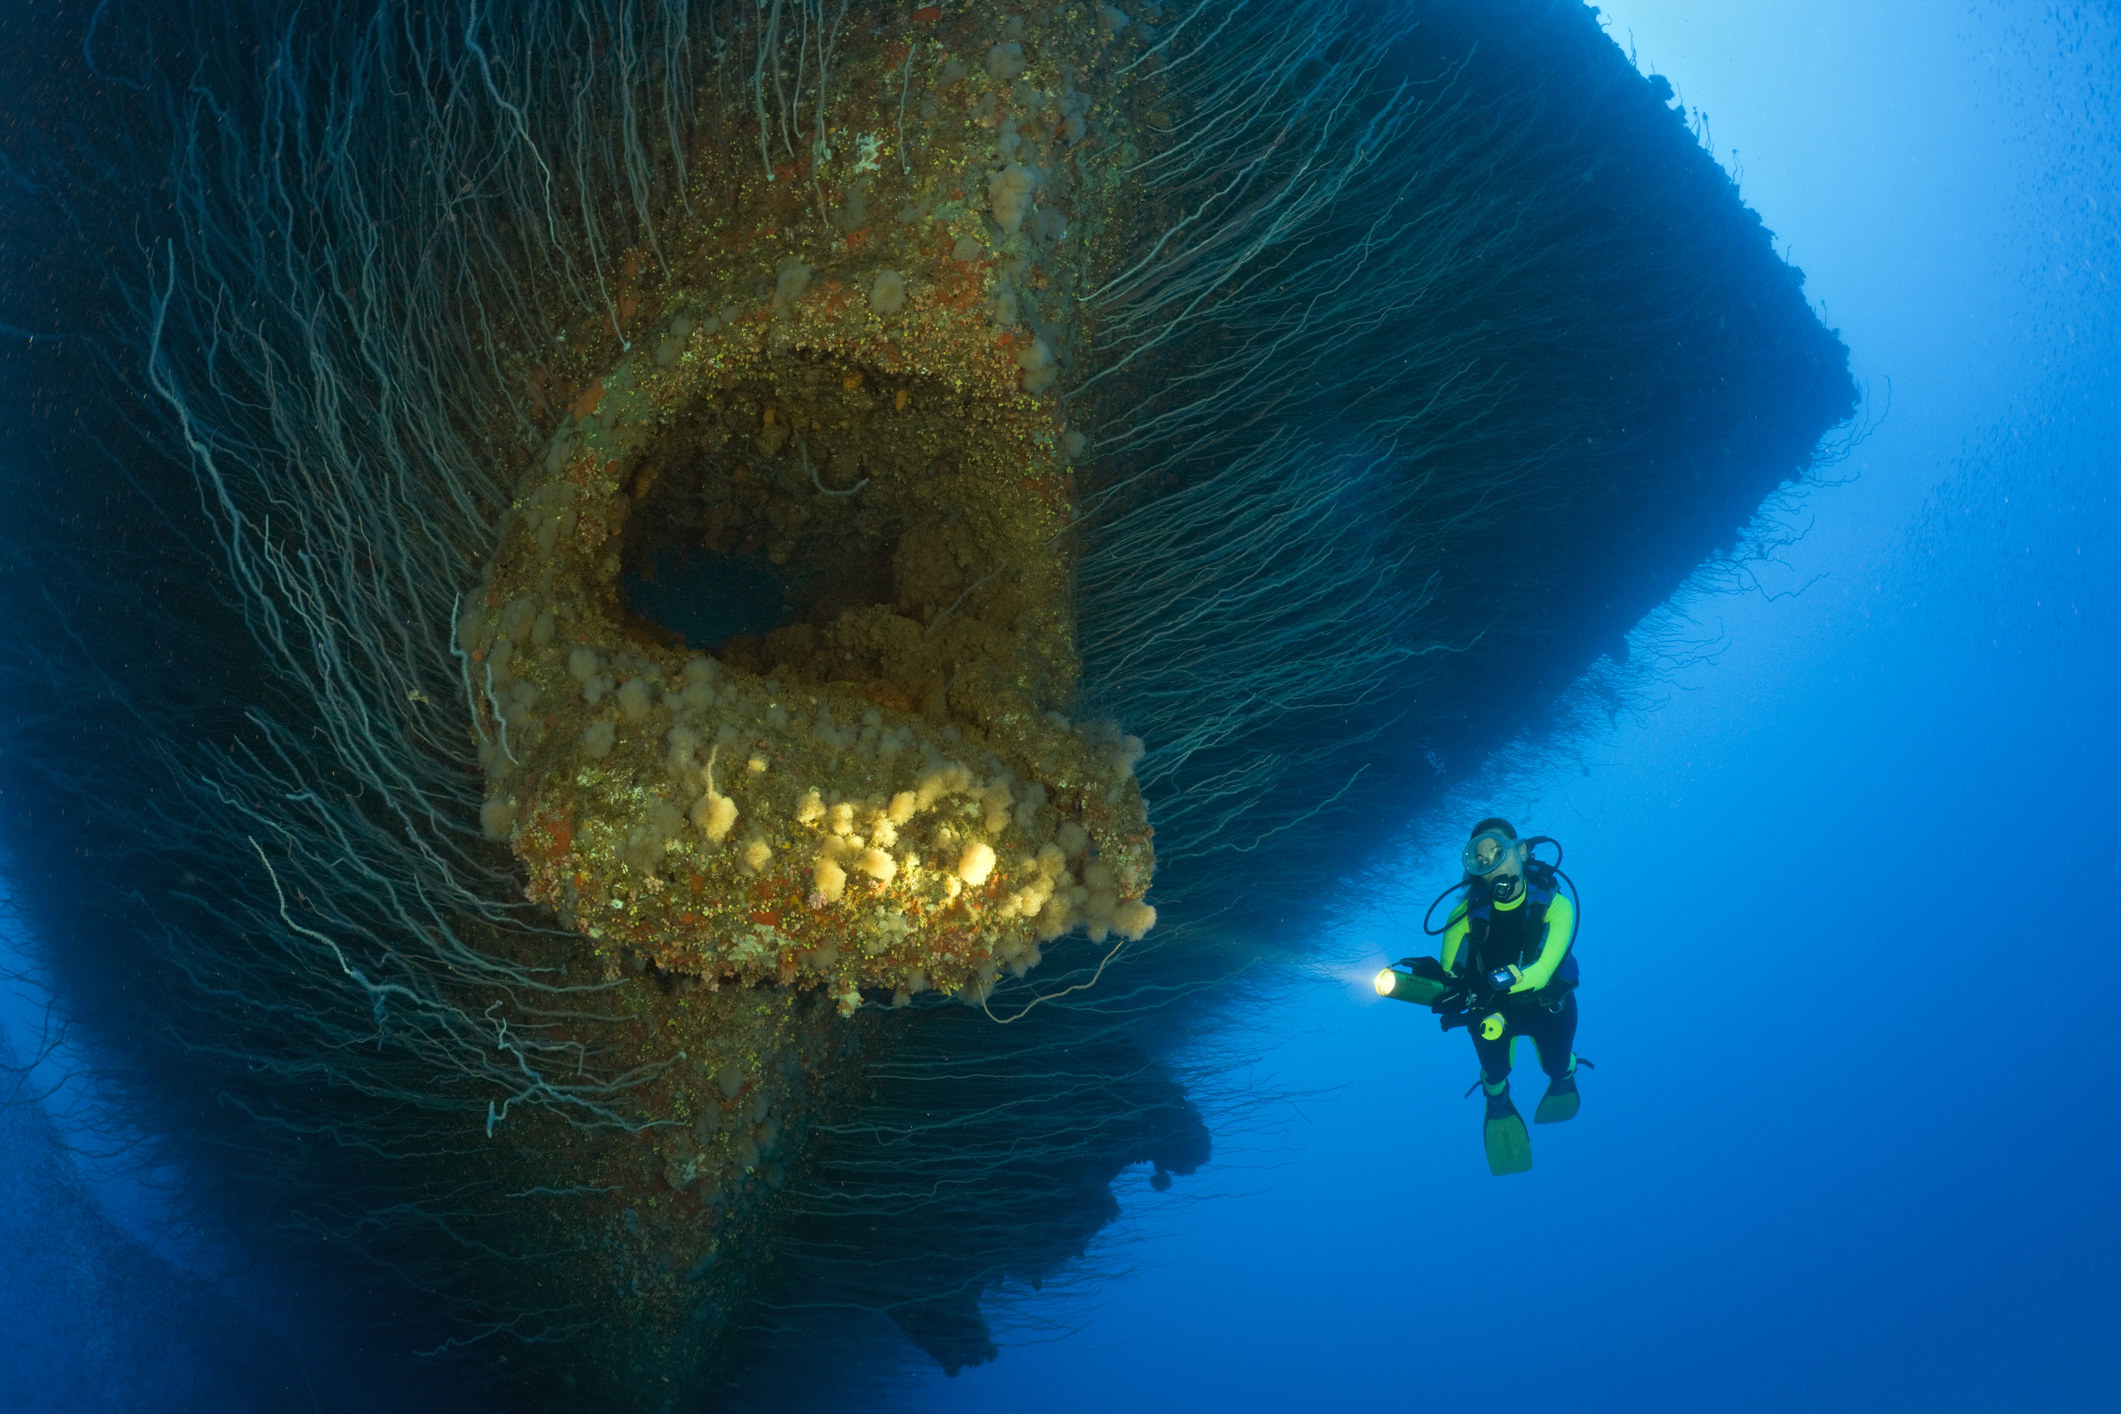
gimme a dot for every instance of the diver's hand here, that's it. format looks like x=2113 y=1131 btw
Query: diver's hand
x=1451 y=1006
x=1427 y=967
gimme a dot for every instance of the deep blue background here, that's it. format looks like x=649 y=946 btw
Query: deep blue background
x=1852 y=901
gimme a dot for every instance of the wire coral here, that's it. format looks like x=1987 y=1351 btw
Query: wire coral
x=1395 y=372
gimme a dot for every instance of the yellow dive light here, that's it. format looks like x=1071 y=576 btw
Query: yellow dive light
x=1402 y=984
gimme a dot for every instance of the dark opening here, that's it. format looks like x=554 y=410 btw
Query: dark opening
x=771 y=505
x=707 y=598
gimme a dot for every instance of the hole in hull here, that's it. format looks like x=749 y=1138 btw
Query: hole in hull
x=708 y=599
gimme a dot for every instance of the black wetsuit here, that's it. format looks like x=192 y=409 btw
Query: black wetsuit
x=1553 y=1033
x=1533 y=935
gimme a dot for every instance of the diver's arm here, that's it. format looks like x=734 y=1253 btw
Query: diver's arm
x=1561 y=927
x=1454 y=938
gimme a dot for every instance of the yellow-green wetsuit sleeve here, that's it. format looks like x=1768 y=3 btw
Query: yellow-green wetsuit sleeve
x=1561 y=926
x=1454 y=938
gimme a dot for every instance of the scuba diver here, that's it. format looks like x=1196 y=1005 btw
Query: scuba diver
x=1507 y=970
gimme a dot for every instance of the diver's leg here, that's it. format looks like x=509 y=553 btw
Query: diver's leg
x=1502 y=1129
x=1553 y=1033
x=1494 y=1057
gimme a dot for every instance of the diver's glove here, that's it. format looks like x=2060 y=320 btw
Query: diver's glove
x=1426 y=967
x=1452 y=1007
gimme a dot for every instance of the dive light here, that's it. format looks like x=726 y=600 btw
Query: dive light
x=1401 y=983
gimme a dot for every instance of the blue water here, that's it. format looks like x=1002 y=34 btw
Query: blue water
x=1850 y=957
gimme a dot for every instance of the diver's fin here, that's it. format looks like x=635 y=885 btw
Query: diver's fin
x=1560 y=1102
x=1509 y=1145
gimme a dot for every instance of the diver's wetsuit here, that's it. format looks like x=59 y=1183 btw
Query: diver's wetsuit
x=1532 y=934
x=1552 y=1032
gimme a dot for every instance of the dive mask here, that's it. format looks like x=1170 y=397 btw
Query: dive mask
x=1486 y=852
